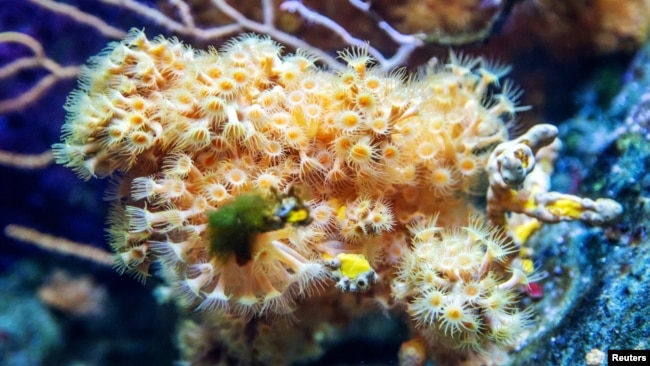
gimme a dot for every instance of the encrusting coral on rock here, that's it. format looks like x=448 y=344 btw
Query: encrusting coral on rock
x=259 y=182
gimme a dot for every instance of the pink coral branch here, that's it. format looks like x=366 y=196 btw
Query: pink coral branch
x=81 y=17
x=57 y=72
x=26 y=161
x=407 y=43
x=59 y=245
x=186 y=26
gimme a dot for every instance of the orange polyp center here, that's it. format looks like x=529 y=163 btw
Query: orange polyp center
x=226 y=85
x=471 y=291
x=350 y=120
x=215 y=105
x=138 y=104
x=218 y=192
x=139 y=138
x=361 y=153
x=426 y=150
x=309 y=85
x=213 y=72
x=435 y=300
x=237 y=176
x=390 y=152
x=365 y=100
x=454 y=314
x=273 y=148
x=184 y=99
x=467 y=165
x=440 y=177
x=372 y=84
x=240 y=76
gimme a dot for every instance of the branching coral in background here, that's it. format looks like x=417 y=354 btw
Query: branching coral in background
x=26 y=161
x=184 y=24
x=59 y=245
x=39 y=59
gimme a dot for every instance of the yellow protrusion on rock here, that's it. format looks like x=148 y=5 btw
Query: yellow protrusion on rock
x=527 y=265
x=566 y=208
x=524 y=231
x=340 y=213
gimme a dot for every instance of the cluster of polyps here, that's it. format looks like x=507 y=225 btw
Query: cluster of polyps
x=192 y=133
x=462 y=285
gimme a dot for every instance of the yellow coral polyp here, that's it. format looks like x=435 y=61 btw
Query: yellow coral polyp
x=353 y=265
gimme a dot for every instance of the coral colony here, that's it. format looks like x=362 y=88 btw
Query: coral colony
x=258 y=183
